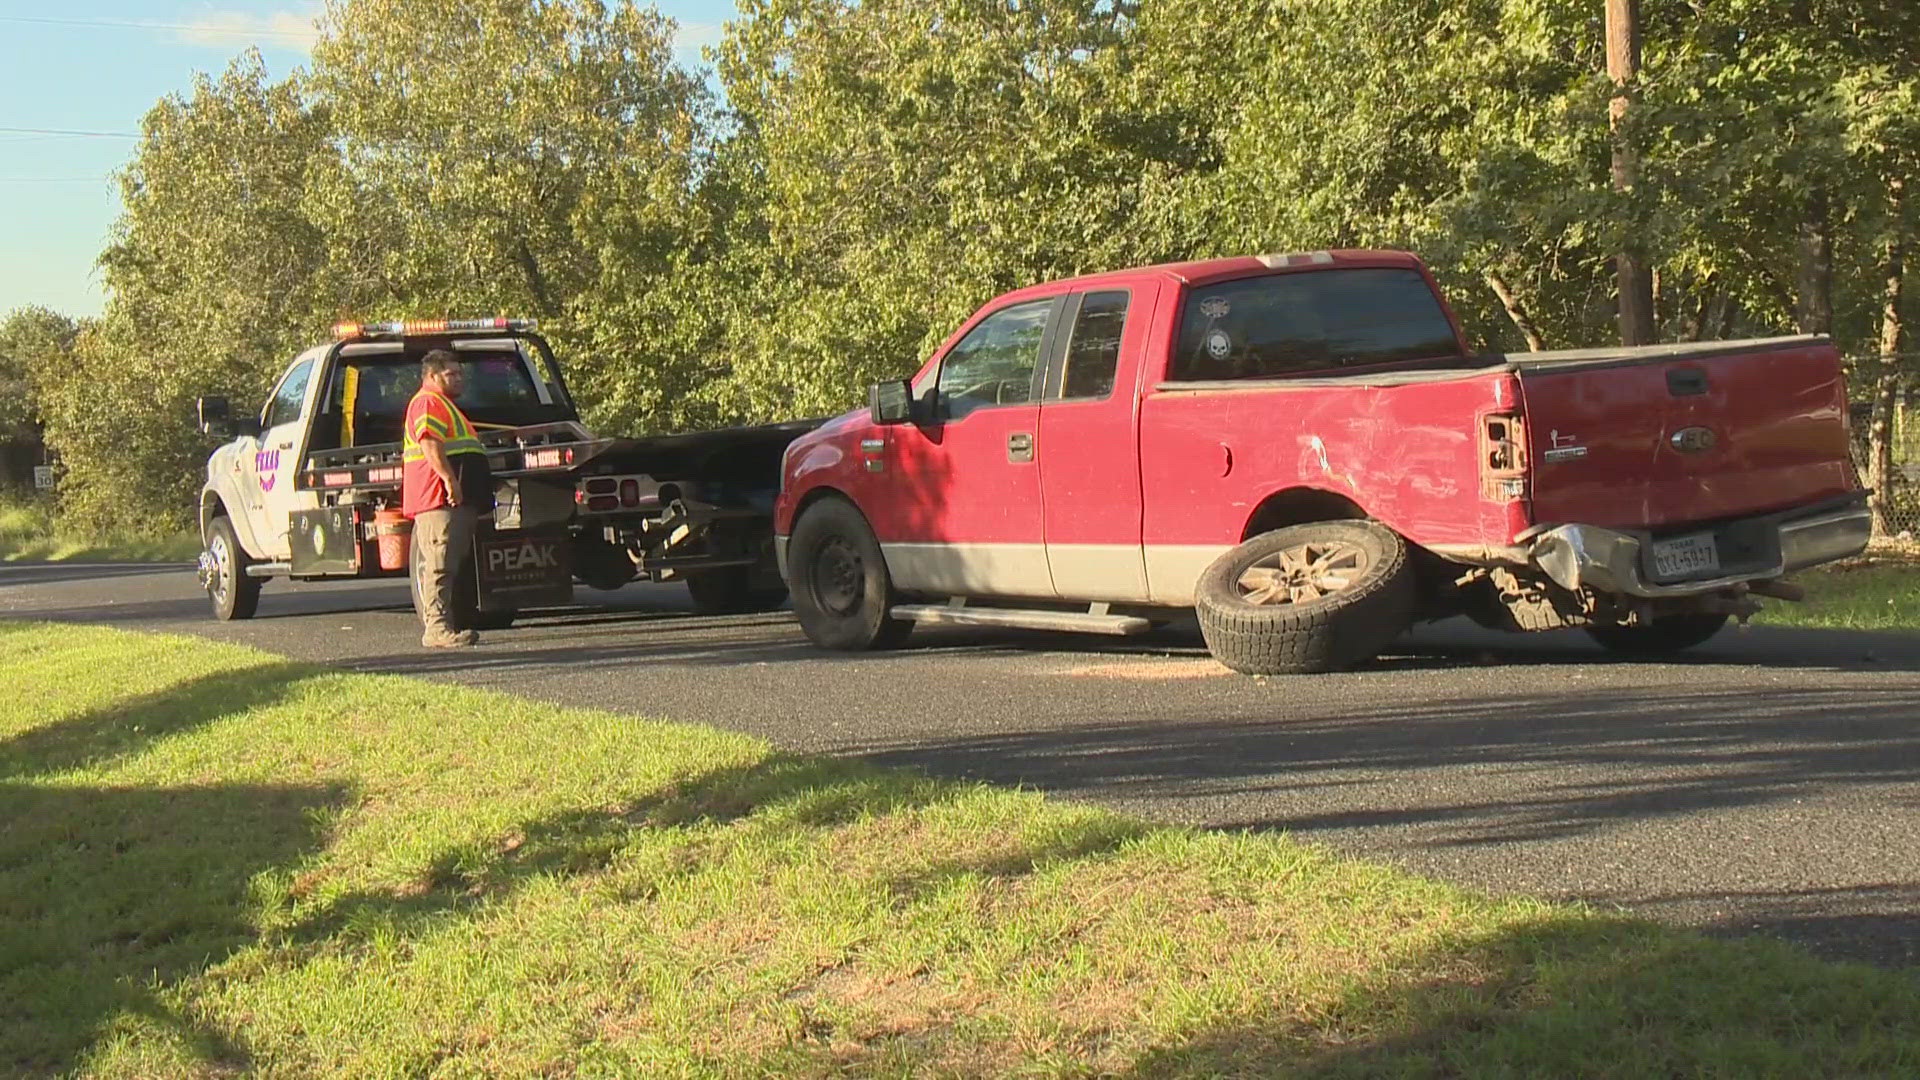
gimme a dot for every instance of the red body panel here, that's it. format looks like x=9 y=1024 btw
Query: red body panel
x=964 y=488
x=1408 y=455
x=1779 y=427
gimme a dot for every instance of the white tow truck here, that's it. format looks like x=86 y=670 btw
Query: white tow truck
x=305 y=489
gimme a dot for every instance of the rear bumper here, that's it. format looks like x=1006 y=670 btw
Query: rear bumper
x=1610 y=561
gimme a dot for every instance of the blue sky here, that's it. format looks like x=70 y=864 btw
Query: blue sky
x=75 y=79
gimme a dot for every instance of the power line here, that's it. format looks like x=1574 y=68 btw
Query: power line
x=53 y=179
x=134 y=24
x=69 y=132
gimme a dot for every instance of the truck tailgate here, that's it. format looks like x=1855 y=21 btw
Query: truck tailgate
x=1676 y=435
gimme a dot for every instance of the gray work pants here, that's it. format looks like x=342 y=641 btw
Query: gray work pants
x=442 y=542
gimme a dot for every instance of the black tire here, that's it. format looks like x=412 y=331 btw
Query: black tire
x=1254 y=629
x=731 y=590
x=841 y=589
x=234 y=594
x=1662 y=637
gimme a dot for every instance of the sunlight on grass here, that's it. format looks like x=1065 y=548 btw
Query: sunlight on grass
x=1879 y=594
x=214 y=860
x=29 y=530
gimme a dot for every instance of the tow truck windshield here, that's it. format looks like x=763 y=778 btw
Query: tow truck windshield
x=372 y=384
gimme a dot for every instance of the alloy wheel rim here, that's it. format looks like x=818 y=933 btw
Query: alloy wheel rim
x=222 y=567
x=1303 y=573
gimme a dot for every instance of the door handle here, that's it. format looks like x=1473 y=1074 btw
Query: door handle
x=288 y=445
x=1020 y=446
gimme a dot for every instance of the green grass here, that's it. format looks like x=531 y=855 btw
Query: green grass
x=1880 y=593
x=30 y=530
x=214 y=861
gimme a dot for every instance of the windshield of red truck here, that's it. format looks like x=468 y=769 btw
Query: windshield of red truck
x=1310 y=321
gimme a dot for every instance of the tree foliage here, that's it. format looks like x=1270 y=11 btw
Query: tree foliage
x=35 y=343
x=880 y=167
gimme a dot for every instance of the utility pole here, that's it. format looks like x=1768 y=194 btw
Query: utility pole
x=1623 y=66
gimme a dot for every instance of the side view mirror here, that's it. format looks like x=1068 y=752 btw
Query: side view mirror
x=890 y=402
x=217 y=419
x=214 y=413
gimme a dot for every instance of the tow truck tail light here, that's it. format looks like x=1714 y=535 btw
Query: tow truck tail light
x=601 y=494
x=1503 y=457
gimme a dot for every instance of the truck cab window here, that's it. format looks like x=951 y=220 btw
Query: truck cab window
x=1318 y=321
x=995 y=362
x=284 y=406
x=1093 y=354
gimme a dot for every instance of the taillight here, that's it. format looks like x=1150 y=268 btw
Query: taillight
x=603 y=493
x=1503 y=457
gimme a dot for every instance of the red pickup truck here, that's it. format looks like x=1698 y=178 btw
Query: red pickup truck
x=1304 y=449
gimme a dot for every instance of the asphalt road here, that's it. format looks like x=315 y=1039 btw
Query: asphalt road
x=1770 y=782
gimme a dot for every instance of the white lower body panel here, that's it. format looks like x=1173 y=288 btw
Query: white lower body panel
x=1116 y=573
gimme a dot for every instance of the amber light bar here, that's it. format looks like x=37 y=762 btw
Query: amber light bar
x=349 y=330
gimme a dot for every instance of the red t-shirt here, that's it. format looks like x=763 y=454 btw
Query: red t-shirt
x=429 y=416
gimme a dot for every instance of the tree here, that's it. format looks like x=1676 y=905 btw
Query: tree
x=214 y=278
x=501 y=156
x=904 y=161
x=34 y=341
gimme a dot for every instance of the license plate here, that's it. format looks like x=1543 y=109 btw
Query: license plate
x=1685 y=556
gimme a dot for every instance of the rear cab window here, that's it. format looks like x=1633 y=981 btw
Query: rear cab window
x=1319 y=322
x=372 y=384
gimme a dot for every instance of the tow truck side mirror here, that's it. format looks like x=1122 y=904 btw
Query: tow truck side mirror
x=890 y=402
x=216 y=418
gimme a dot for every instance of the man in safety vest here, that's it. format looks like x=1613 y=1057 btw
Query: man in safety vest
x=437 y=435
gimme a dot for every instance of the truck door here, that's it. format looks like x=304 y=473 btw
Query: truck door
x=1090 y=472
x=277 y=458
x=957 y=508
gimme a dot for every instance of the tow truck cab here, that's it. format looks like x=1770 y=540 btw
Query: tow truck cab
x=299 y=490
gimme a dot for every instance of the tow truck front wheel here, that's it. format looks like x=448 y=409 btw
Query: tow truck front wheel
x=1319 y=597
x=841 y=589
x=223 y=571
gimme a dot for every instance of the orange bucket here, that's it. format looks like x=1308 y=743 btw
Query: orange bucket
x=395 y=534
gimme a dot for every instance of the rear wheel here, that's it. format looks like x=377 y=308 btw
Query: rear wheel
x=1661 y=637
x=731 y=590
x=224 y=571
x=841 y=589
x=1307 y=598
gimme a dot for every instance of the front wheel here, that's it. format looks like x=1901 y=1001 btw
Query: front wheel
x=223 y=569
x=841 y=589
x=1308 y=598
x=1661 y=637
